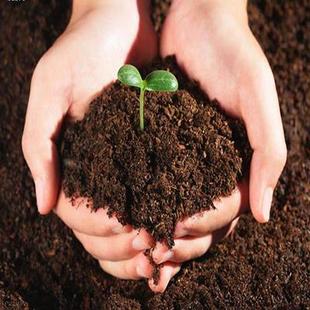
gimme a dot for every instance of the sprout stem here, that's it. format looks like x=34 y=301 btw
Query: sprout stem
x=141 y=108
x=158 y=80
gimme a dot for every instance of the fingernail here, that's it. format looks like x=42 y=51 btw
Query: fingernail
x=163 y=282
x=139 y=243
x=165 y=257
x=140 y=272
x=39 y=185
x=267 y=203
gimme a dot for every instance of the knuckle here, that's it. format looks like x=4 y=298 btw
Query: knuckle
x=50 y=73
x=106 y=267
x=184 y=255
x=260 y=77
x=189 y=224
x=160 y=288
x=46 y=69
x=103 y=231
x=263 y=71
x=279 y=156
x=41 y=68
x=128 y=271
x=26 y=145
x=274 y=156
x=90 y=248
x=96 y=230
x=198 y=252
x=87 y=245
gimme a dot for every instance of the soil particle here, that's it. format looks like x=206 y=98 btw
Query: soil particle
x=188 y=155
x=9 y=300
x=258 y=267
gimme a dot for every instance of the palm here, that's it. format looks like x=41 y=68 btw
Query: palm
x=226 y=59
x=215 y=46
x=218 y=63
x=86 y=57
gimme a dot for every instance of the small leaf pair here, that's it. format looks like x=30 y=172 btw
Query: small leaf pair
x=158 y=80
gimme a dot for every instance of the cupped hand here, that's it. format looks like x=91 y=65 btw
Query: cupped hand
x=82 y=61
x=100 y=38
x=195 y=235
x=215 y=46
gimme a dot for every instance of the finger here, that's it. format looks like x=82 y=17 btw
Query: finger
x=46 y=109
x=79 y=217
x=226 y=210
x=116 y=248
x=188 y=248
x=167 y=272
x=263 y=122
x=136 y=268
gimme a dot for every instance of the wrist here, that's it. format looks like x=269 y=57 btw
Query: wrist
x=82 y=7
x=235 y=8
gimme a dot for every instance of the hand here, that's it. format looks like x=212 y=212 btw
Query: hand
x=214 y=45
x=98 y=40
x=196 y=234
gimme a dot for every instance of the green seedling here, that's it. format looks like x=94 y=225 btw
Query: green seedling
x=158 y=80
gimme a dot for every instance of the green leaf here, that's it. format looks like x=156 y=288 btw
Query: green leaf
x=129 y=75
x=161 y=80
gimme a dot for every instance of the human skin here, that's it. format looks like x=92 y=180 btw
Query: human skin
x=213 y=43
x=98 y=40
x=85 y=59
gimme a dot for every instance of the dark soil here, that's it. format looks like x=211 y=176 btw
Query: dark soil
x=258 y=267
x=188 y=155
x=10 y=300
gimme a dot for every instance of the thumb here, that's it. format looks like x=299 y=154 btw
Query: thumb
x=262 y=118
x=46 y=109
